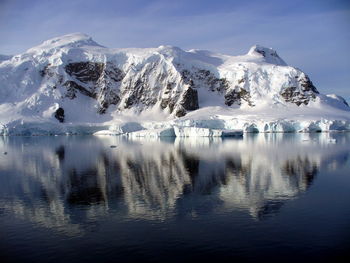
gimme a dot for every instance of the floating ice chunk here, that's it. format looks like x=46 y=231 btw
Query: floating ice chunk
x=195 y=132
x=126 y=127
x=205 y=132
x=162 y=132
x=106 y=132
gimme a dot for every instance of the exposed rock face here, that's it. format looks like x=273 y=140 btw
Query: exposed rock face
x=190 y=99
x=291 y=94
x=301 y=94
x=167 y=100
x=46 y=71
x=108 y=97
x=236 y=96
x=100 y=81
x=59 y=114
x=204 y=78
x=73 y=87
x=85 y=71
x=307 y=84
x=109 y=85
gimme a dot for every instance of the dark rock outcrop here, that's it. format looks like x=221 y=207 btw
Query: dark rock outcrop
x=168 y=100
x=85 y=71
x=46 y=71
x=73 y=87
x=189 y=102
x=199 y=78
x=190 y=99
x=180 y=112
x=59 y=114
x=301 y=94
x=236 y=96
x=98 y=80
x=129 y=101
x=307 y=84
x=291 y=94
x=294 y=95
x=109 y=98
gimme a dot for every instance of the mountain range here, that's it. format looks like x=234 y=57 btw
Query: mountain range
x=71 y=83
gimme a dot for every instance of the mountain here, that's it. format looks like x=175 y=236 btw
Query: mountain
x=73 y=81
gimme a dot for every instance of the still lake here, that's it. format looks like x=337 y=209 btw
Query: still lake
x=270 y=197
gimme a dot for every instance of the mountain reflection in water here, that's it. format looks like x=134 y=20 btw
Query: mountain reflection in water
x=68 y=183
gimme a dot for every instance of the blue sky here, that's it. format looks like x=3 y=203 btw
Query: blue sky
x=311 y=35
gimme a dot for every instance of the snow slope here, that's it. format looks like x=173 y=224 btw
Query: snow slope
x=71 y=84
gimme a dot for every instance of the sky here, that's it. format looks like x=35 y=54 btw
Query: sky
x=312 y=35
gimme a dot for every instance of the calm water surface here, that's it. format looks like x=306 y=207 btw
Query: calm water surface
x=266 y=197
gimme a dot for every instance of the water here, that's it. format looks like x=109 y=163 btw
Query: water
x=270 y=197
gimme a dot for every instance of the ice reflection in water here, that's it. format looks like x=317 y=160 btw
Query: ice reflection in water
x=69 y=183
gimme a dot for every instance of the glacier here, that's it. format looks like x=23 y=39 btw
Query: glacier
x=188 y=131
x=73 y=85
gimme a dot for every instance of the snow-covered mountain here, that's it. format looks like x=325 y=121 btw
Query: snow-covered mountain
x=73 y=81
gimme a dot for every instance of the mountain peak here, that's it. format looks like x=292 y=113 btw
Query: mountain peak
x=72 y=40
x=270 y=55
